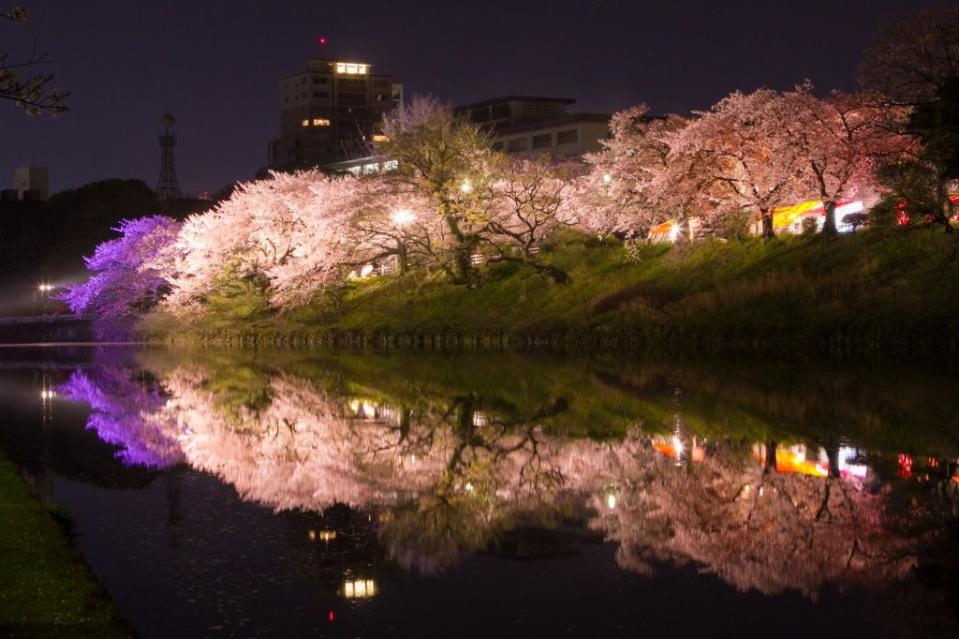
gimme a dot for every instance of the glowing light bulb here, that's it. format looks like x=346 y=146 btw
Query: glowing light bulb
x=611 y=501
x=403 y=216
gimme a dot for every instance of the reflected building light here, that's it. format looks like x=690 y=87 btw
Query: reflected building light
x=469 y=487
x=359 y=588
x=678 y=446
x=326 y=535
x=354 y=405
x=369 y=410
x=480 y=418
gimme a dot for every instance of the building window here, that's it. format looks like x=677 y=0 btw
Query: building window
x=321 y=122
x=351 y=68
x=567 y=137
x=543 y=141
x=499 y=111
x=321 y=94
x=516 y=145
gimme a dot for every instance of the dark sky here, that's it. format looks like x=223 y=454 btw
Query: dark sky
x=215 y=64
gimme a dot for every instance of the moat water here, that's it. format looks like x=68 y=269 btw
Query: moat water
x=228 y=493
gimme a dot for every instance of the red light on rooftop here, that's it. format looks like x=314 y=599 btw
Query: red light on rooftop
x=330 y=616
x=321 y=41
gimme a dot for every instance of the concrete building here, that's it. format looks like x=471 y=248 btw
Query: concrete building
x=330 y=112
x=32 y=183
x=537 y=125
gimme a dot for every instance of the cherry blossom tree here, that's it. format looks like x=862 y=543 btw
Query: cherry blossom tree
x=840 y=141
x=289 y=231
x=32 y=93
x=735 y=156
x=444 y=159
x=530 y=200
x=624 y=191
x=127 y=273
x=397 y=222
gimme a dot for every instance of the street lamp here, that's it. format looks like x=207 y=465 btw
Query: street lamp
x=402 y=217
x=466 y=187
x=607 y=179
x=42 y=290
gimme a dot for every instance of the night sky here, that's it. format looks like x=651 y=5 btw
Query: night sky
x=216 y=63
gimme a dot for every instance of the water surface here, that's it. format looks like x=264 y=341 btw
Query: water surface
x=235 y=493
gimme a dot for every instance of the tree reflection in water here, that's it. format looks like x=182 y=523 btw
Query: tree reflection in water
x=450 y=466
x=127 y=410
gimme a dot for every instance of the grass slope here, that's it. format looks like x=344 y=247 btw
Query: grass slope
x=875 y=286
x=46 y=590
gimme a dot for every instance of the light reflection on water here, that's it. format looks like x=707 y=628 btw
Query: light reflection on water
x=775 y=483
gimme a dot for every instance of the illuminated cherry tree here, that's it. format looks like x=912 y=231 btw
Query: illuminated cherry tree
x=447 y=161
x=129 y=274
x=735 y=157
x=624 y=192
x=840 y=141
x=289 y=230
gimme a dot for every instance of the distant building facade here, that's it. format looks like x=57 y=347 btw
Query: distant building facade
x=32 y=183
x=330 y=112
x=537 y=125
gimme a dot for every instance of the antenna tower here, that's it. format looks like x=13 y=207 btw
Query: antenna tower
x=167 y=187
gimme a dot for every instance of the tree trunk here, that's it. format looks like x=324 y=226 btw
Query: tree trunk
x=832 y=452
x=402 y=262
x=829 y=228
x=462 y=252
x=405 y=414
x=771 y=457
x=767 y=216
x=945 y=213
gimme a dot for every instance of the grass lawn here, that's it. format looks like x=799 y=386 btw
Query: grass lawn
x=46 y=589
x=876 y=286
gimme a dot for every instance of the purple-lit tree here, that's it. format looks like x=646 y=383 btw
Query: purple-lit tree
x=129 y=273
x=127 y=412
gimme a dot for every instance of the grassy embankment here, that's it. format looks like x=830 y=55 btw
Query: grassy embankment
x=46 y=590
x=875 y=289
